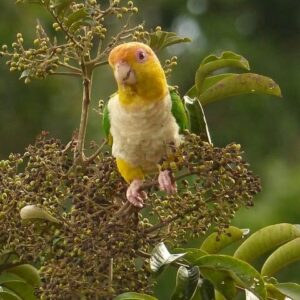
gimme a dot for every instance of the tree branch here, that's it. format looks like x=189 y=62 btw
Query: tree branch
x=87 y=82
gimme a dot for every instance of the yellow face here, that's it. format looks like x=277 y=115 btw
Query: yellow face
x=138 y=72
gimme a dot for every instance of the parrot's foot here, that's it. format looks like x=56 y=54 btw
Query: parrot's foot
x=166 y=182
x=134 y=194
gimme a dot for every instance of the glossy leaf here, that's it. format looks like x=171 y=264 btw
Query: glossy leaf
x=212 y=63
x=33 y=212
x=28 y=273
x=186 y=283
x=160 y=257
x=159 y=40
x=214 y=243
x=219 y=296
x=265 y=240
x=192 y=92
x=292 y=290
x=134 y=296
x=15 y=286
x=205 y=291
x=281 y=257
x=7 y=294
x=239 y=84
x=222 y=282
x=191 y=254
x=20 y=288
x=198 y=122
x=274 y=293
x=30 y=1
x=8 y=277
x=242 y=273
x=212 y=80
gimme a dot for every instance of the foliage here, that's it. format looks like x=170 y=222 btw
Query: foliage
x=67 y=212
x=75 y=223
x=230 y=275
x=17 y=280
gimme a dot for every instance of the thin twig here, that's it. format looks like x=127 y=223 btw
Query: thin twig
x=93 y=156
x=71 y=38
x=66 y=73
x=65 y=65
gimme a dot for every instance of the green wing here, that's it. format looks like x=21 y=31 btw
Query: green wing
x=106 y=124
x=178 y=111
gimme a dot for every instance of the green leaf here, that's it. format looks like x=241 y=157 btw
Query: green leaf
x=191 y=254
x=266 y=239
x=159 y=40
x=29 y=212
x=22 y=289
x=292 y=290
x=206 y=291
x=212 y=80
x=28 y=273
x=198 y=122
x=30 y=1
x=134 y=296
x=7 y=294
x=61 y=5
x=192 y=92
x=77 y=25
x=219 y=296
x=76 y=16
x=222 y=282
x=8 y=256
x=212 y=63
x=241 y=272
x=186 y=283
x=8 y=277
x=239 y=84
x=161 y=257
x=274 y=293
x=281 y=257
x=215 y=242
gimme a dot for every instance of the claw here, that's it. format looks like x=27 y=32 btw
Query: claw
x=134 y=195
x=166 y=182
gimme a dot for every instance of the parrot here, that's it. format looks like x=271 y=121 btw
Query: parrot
x=142 y=118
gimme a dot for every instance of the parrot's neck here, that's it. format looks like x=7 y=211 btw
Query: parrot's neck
x=143 y=94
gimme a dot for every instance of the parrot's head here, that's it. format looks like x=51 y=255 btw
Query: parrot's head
x=138 y=73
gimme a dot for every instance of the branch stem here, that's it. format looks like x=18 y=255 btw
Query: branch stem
x=86 y=99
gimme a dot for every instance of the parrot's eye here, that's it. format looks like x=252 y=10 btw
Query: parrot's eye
x=141 y=56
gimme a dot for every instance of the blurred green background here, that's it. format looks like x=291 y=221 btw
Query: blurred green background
x=267 y=33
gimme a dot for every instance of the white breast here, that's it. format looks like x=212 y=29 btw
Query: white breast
x=140 y=136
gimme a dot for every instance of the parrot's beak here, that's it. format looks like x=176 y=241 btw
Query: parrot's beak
x=124 y=73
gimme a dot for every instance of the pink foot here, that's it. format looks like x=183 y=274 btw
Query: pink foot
x=166 y=183
x=134 y=195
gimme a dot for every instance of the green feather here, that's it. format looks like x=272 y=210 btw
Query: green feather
x=106 y=124
x=178 y=110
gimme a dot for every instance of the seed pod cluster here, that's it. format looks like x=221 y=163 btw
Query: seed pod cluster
x=74 y=41
x=97 y=232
